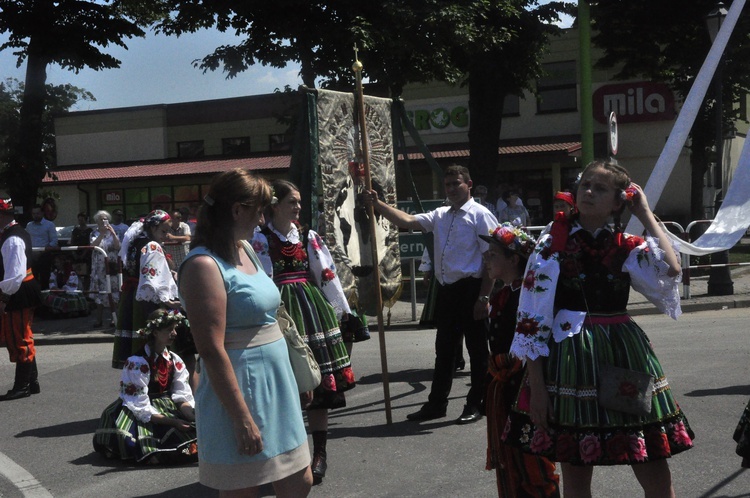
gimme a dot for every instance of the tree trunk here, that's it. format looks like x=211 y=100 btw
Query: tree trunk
x=485 y=110
x=26 y=165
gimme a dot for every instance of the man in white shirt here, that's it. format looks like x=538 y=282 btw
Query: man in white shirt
x=463 y=290
x=19 y=295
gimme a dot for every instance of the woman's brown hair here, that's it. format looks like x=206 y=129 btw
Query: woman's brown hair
x=214 y=228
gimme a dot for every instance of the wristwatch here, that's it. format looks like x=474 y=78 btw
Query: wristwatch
x=483 y=299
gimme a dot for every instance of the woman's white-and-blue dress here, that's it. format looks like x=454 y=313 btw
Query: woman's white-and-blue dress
x=264 y=375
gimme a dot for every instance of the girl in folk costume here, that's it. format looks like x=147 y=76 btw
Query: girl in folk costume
x=303 y=269
x=517 y=474
x=148 y=282
x=565 y=203
x=153 y=420
x=596 y=393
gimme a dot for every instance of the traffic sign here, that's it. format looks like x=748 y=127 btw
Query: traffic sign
x=411 y=245
x=410 y=207
x=612 y=136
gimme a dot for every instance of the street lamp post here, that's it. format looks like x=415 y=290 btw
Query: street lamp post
x=720 y=279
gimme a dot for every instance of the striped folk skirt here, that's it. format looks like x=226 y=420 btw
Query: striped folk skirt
x=316 y=322
x=120 y=435
x=585 y=433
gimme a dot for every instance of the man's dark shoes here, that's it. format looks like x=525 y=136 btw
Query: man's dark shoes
x=470 y=415
x=427 y=412
x=34 y=387
x=16 y=393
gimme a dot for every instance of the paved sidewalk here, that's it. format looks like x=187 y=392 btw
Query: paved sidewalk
x=81 y=330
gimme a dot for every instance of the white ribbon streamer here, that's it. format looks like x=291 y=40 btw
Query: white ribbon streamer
x=733 y=217
x=724 y=225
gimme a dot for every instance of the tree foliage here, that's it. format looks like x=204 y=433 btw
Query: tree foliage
x=497 y=43
x=668 y=41
x=73 y=34
x=60 y=99
x=503 y=57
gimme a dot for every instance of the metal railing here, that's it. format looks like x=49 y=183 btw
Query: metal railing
x=682 y=233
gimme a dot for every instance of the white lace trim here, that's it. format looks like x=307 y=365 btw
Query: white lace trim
x=573 y=392
x=525 y=347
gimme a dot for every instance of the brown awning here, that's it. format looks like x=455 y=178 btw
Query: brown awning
x=151 y=169
x=172 y=167
x=462 y=150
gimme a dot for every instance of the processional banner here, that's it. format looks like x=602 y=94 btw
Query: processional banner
x=334 y=138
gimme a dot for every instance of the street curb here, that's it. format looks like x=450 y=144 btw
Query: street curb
x=635 y=310
x=688 y=307
x=64 y=339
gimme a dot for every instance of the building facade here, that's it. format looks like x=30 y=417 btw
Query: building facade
x=144 y=157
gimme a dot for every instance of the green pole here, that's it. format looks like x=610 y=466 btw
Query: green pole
x=587 y=112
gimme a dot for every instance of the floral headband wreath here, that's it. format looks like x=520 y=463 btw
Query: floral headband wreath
x=164 y=320
x=512 y=238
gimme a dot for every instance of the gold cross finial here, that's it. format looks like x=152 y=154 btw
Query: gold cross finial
x=357 y=66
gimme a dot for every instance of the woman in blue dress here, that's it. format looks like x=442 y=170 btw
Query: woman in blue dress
x=248 y=411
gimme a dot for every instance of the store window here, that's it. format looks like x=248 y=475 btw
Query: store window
x=192 y=148
x=557 y=89
x=279 y=142
x=235 y=146
x=140 y=201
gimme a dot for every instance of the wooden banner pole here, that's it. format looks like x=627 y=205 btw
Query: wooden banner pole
x=357 y=68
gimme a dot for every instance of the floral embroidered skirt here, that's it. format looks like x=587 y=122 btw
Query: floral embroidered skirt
x=585 y=433
x=120 y=435
x=517 y=473
x=316 y=321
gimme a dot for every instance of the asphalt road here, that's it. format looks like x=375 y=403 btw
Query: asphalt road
x=45 y=440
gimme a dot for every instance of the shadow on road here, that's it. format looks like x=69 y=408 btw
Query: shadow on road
x=195 y=489
x=411 y=376
x=738 y=390
x=60 y=430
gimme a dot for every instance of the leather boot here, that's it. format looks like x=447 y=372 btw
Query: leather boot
x=21 y=384
x=34 y=379
x=319 y=464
